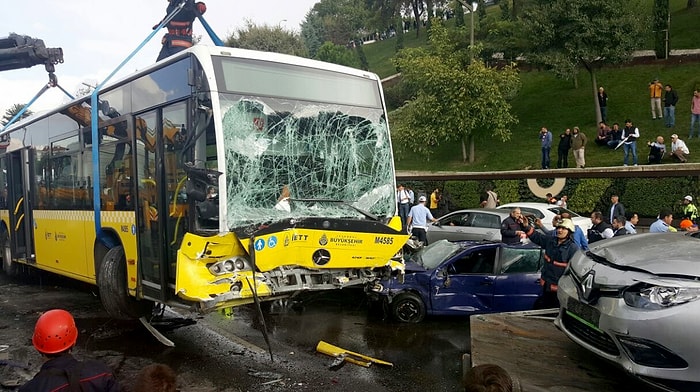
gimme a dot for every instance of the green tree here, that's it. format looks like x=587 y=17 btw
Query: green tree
x=661 y=23
x=331 y=53
x=459 y=14
x=337 y=21
x=457 y=99
x=362 y=58
x=565 y=35
x=267 y=38
x=12 y=112
x=312 y=33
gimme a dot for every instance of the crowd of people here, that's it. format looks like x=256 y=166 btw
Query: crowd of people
x=566 y=238
x=663 y=102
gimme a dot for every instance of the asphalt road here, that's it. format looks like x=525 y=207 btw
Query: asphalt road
x=228 y=352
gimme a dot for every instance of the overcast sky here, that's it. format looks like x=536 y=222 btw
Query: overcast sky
x=97 y=35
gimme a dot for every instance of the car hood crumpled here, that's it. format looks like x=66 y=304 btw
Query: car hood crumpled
x=662 y=254
x=412 y=266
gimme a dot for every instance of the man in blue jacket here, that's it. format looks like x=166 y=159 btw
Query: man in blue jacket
x=546 y=142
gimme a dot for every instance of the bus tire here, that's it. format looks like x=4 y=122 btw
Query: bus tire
x=8 y=266
x=114 y=294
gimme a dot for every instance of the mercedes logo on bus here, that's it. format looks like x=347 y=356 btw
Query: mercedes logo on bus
x=321 y=257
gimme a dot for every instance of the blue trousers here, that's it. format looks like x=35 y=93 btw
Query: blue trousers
x=670 y=115
x=630 y=148
x=545 y=157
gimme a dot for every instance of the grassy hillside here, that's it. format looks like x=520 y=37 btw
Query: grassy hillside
x=547 y=101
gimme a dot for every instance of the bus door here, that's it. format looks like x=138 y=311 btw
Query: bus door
x=20 y=165
x=161 y=205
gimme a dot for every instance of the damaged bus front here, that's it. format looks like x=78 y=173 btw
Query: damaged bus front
x=306 y=198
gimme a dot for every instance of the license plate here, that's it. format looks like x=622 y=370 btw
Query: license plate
x=584 y=312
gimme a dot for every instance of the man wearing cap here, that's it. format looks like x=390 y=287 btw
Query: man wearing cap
x=418 y=218
x=678 y=149
x=690 y=211
x=54 y=336
x=578 y=237
x=558 y=251
x=688 y=225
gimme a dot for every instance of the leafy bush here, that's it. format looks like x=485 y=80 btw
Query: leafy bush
x=508 y=190
x=461 y=194
x=647 y=196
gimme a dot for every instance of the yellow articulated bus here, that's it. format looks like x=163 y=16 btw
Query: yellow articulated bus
x=214 y=176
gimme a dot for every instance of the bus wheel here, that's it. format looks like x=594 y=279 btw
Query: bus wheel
x=11 y=268
x=114 y=295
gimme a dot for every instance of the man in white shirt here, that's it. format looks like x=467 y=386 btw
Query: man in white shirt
x=404 y=200
x=631 y=224
x=418 y=218
x=678 y=149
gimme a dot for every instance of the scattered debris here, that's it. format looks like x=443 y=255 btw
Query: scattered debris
x=342 y=355
x=161 y=338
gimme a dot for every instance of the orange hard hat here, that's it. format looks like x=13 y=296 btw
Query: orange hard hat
x=55 y=332
x=685 y=224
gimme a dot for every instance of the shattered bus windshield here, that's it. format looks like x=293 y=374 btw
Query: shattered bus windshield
x=308 y=145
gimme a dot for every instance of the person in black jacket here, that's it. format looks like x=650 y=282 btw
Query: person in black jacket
x=618 y=226
x=511 y=227
x=616 y=208
x=600 y=229
x=563 y=149
x=54 y=336
x=558 y=251
x=670 y=101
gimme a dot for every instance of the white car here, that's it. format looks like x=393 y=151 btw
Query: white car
x=546 y=212
x=635 y=300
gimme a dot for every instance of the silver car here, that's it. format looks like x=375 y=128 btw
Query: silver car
x=477 y=224
x=634 y=300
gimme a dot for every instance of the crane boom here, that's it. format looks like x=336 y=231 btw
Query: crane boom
x=21 y=51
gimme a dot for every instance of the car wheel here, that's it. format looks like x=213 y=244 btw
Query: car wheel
x=408 y=308
x=114 y=295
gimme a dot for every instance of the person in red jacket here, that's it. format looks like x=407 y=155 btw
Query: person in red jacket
x=54 y=336
x=179 y=35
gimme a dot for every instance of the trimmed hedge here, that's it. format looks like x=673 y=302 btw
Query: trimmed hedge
x=645 y=196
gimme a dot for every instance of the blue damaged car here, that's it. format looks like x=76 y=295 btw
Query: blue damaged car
x=463 y=278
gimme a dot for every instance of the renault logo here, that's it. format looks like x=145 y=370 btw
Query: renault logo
x=587 y=285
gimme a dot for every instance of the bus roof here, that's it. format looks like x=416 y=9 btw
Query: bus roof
x=204 y=51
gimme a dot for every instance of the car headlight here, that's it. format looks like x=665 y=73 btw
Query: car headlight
x=653 y=297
